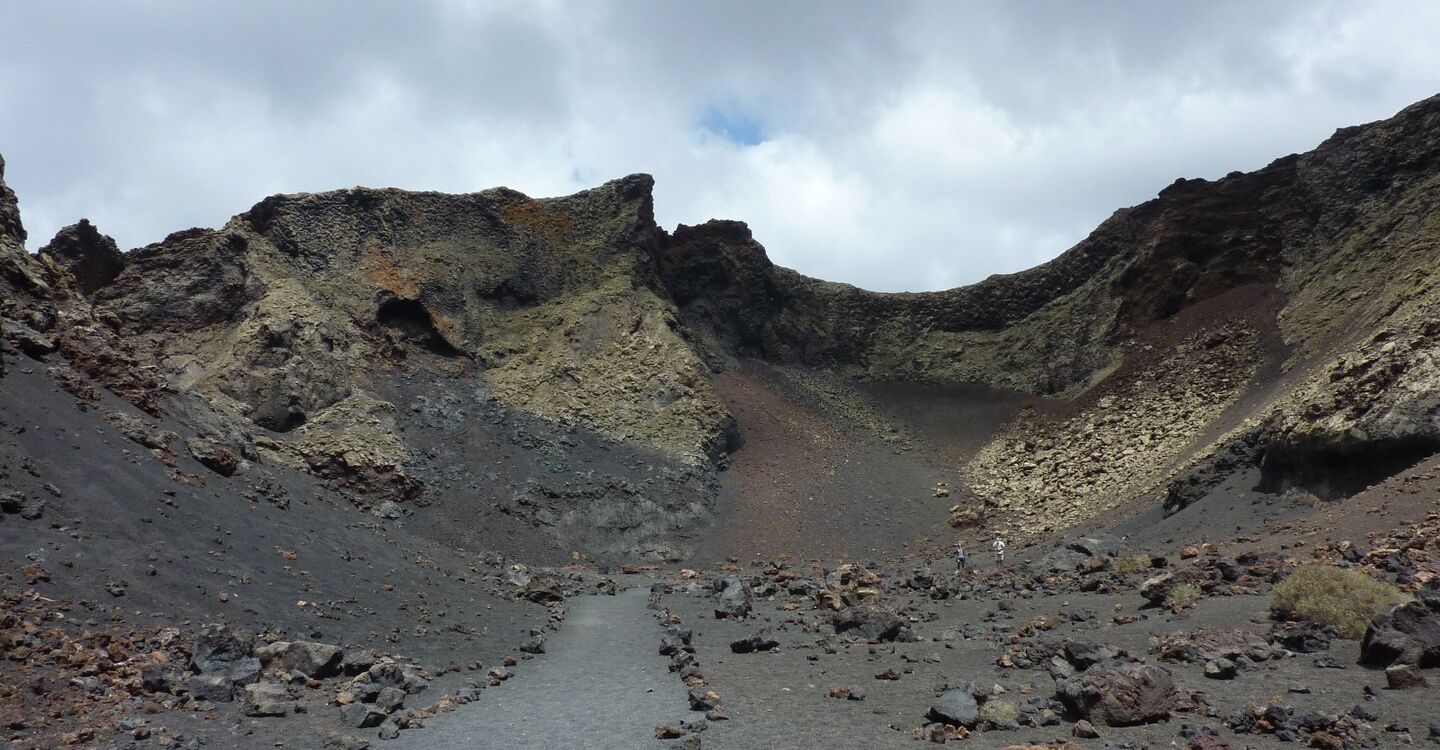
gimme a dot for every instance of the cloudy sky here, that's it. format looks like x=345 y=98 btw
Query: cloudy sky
x=896 y=146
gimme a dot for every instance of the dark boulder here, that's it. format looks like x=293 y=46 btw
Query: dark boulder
x=542 y=592
x=957 y=707
x=703 y=700
x=761 y=641
x=311 y=659
x=675 y=640
x=1404 y=634
x=732 y=598
x=872 y=623
x=404 y=677
x=225 y=659
x=1098 y=545
x=535 y=644
x=1209 y=644
x=1071 y=554
x=161 y=678
x=1082 y=655
x=361 y=716
x=1303 y=637
x=1062 y=559
x=1157 y=589
x=1405 y=677
x=1120 y=694
x=1221 y=669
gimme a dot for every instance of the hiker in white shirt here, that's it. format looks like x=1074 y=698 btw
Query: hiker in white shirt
x=998 y=547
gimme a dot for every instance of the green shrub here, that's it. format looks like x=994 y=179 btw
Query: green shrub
x=1183 y=595
x=1132 y=564
x=1344 y=599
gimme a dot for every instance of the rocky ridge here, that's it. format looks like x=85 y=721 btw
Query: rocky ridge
x=1279 y=320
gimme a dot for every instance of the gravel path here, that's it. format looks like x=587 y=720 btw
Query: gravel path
x=600 y=685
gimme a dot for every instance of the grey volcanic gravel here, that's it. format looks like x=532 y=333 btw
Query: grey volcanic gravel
x=600 y=684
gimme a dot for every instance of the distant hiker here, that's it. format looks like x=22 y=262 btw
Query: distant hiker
x=998 y=547
x=959 y=557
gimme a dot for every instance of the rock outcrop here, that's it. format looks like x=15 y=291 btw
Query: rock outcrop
x=556 y=360
x=91 y=258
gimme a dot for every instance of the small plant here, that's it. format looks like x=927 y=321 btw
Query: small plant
x=1132 y=564
x=1343 y=599
x=999 y=713
x=1183 y=596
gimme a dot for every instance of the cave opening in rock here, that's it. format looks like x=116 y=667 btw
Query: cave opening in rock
x=1335 y=472
x=287 y=421
x=414 y=324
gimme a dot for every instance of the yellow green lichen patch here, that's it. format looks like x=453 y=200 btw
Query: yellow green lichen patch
x=608 y=359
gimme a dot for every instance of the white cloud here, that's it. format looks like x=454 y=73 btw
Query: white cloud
x=902 y=146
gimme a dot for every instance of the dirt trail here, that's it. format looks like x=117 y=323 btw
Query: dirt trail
x=601 y=685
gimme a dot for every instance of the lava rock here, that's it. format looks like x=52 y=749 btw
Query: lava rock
x=1120 y=694
x=1157 y=589
x=361 y=716
x=389 y=699
x=1407 y=634
x=1404 y=677
x=703 y=700
x=542 y=592
x=761 y=641
x=1210 y=644
x=1221 y=669
x=315 y=660
x=732 y=599
x=92 y=258
x=1083 y=655
x=265 y=699
x=872 y=623
x=675 y=640
x=224 y=656
x=956 y=706
x=161 y=678
x=401 y=677
x=214 y=455
x=1303 y=637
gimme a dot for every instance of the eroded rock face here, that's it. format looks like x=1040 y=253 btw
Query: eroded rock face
x=91 y=258
x=11 y=229
x=295 y=316
x=1147 y=358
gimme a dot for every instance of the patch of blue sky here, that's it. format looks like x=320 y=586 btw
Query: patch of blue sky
x=733 y=123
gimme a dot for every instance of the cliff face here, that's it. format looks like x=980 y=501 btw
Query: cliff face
x=309 y=316
x=11 y=230
x=557 y=358
x=1293 y=307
